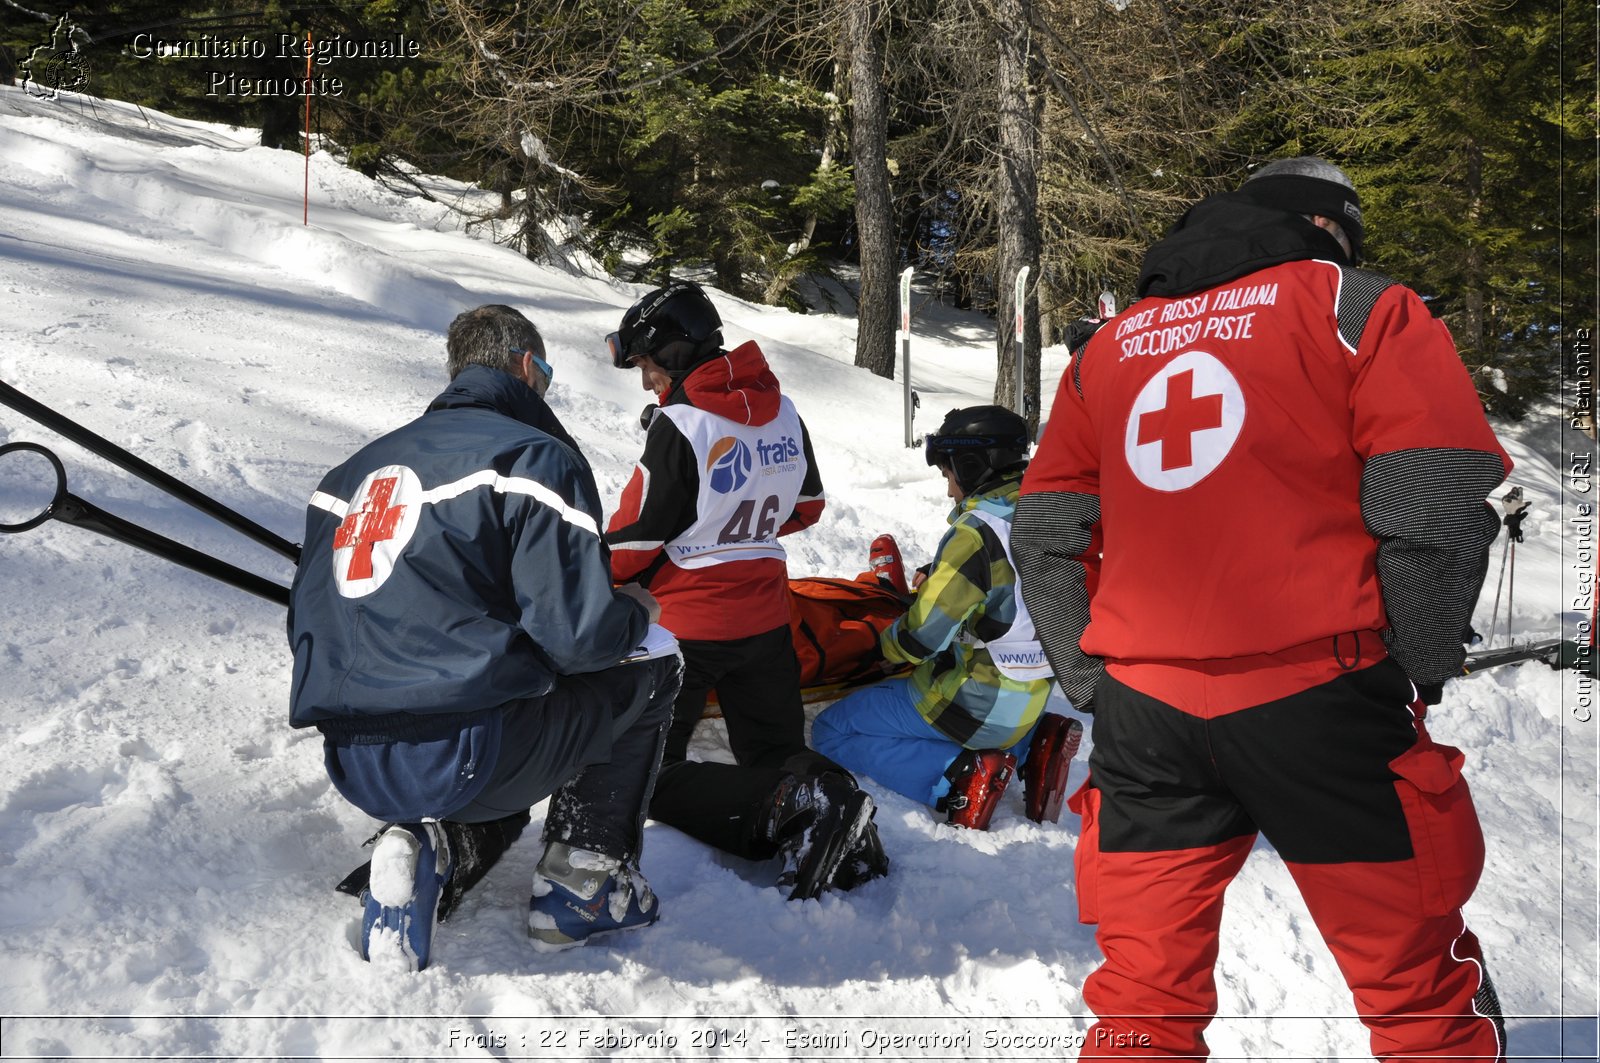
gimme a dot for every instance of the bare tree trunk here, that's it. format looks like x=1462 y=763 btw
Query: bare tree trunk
x=280 y=122
x=1017 y=209
x=869 y=135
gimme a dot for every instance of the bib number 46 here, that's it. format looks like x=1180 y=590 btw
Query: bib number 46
x=739 y=527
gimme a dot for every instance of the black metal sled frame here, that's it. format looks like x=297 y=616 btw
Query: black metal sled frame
x=99 y=445
x=1553 y=652
x=70 y=509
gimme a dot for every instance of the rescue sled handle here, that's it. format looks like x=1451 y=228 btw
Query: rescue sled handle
x=108 y=450
x=64 y=506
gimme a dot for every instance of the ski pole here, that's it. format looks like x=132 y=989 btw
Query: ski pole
x=1511 y=592
x=905 y=351
x=1499 y=583
x=1516 y=513
x=70 y=509
x=108 y=450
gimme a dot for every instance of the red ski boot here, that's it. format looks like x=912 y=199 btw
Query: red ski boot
x=977 y=779
x=1044 y=776
x=884 y=558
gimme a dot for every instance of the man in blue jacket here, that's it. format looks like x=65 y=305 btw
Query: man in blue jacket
x=458 y=643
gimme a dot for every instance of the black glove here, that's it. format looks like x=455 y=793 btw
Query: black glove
x=1430 y=693
x=1516 y=511
x=1081 y=331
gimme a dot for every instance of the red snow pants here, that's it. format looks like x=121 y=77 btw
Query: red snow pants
x=1372 y=818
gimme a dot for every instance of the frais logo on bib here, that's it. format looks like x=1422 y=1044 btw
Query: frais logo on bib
x=781 y=451
x=728 y=465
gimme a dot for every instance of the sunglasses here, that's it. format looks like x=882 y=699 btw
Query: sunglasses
x=544 y=366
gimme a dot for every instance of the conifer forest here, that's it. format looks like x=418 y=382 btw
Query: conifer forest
x=759 y=144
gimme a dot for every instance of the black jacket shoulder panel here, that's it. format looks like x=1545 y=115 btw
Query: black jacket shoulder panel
x=1079 y=333
x=1359 y=291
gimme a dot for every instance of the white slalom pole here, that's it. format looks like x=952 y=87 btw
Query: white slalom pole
x=905 y=346
x=1022 y=395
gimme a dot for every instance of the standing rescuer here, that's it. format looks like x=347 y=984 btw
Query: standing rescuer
x=1294 y=538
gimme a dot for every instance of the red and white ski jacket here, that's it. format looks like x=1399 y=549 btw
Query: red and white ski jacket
x=1288 y=459
x=727 y=469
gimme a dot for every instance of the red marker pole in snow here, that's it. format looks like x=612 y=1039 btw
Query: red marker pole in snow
x=305 y=213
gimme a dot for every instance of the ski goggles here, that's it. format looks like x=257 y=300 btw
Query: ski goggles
x=941 y=450
x=544 y=366
x=619 y=355
x=623 y=354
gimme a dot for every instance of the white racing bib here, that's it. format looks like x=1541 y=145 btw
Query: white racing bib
x=750 y=479
x=1017 y=653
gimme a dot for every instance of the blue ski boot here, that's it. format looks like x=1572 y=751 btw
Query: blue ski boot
x=579 y=895
x=411 y=868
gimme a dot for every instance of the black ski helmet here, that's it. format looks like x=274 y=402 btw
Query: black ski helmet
x=676 y=326
x=980 y=444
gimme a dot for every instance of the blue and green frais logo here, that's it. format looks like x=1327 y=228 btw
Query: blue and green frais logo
x=728 y=465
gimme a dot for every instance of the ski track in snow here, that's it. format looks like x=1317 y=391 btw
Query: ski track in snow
x=168 y=844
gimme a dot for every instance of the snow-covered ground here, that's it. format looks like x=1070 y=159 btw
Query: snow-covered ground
x=168 y=845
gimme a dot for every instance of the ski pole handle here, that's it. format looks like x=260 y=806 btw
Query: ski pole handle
x=108 y=450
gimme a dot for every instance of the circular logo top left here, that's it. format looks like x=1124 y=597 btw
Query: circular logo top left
x=382 y=519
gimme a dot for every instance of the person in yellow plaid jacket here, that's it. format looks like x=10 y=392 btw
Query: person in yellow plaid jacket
x=950 y=733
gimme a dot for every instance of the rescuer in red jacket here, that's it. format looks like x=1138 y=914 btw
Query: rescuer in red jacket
x=1288 y=464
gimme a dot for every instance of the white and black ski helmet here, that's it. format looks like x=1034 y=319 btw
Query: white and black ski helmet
x=980 y=444
x=675 y=326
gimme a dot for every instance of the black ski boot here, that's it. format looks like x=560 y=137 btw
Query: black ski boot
x=816 y=822
x=863 y=863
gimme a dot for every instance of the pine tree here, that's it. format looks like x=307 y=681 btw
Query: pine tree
x=712 y=145
x=1445 y=113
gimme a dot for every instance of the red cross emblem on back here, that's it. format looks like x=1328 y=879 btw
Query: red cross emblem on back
x=364 y=528
x=1175 y=424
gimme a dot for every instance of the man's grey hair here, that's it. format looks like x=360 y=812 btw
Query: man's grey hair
x=1304 y=166
x=491 y=335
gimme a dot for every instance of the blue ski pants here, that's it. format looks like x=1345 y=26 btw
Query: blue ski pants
x=877 y=731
